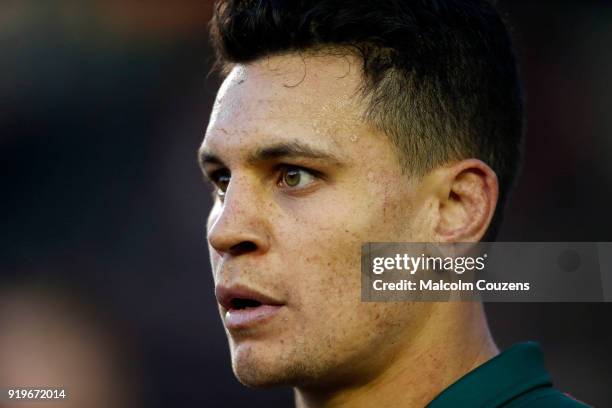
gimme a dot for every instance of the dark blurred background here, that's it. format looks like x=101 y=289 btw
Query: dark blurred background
x=103 y=104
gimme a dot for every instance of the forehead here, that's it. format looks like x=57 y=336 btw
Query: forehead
x=297 y=96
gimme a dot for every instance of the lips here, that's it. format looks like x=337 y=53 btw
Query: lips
x=245 y=307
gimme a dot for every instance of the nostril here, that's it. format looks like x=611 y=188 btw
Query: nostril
x=243 y=247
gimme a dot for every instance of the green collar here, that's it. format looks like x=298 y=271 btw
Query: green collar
x=501 y=379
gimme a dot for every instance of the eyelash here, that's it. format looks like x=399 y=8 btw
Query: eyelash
x=215 y=176
x=214 y=179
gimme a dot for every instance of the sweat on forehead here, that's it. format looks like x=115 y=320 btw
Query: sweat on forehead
x=291 y=95
x=318 y=75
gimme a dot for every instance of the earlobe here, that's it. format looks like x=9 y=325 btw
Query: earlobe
x=467 y=199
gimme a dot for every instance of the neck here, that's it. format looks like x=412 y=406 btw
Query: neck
x=455 y=341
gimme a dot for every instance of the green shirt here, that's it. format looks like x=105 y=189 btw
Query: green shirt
x=515 y=378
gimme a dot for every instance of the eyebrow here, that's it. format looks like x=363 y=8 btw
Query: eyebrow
x=294 y=149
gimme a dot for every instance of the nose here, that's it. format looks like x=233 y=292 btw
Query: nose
x=237 y=226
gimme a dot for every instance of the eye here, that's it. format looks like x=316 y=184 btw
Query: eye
x=295 y=177
x=220 y=180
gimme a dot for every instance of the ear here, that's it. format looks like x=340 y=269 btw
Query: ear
x=467 y=193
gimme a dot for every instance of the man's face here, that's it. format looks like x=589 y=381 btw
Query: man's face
x=304 y=181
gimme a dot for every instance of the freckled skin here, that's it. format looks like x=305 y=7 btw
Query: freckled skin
x=308 y=245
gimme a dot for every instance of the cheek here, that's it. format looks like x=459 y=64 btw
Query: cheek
x=329 y=245
x=326 y=254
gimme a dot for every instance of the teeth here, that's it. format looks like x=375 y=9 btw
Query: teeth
x=240 y=303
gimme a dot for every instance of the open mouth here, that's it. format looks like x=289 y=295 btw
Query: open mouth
x=244 y=307
x=241 y=298
x=244 y=303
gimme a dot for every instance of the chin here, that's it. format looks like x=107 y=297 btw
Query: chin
x=258 y=366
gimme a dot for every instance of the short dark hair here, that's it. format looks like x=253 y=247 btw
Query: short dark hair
x=440 y=76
